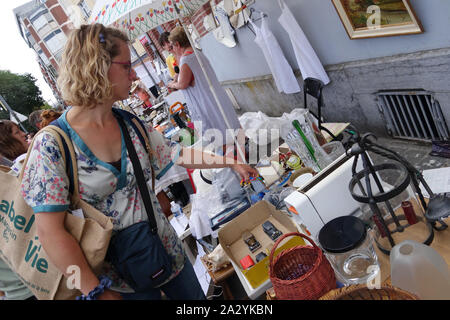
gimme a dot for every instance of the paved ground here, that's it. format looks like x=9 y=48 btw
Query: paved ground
x=417 y=153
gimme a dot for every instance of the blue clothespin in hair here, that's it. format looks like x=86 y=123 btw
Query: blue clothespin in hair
x=102 y=38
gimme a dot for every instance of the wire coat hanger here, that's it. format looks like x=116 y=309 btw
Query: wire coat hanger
x=253 y=10
x=253 y=20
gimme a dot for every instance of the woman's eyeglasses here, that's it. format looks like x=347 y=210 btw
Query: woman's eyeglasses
x=126 y=64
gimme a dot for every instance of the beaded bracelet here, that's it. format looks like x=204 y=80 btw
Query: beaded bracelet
x=105 y=283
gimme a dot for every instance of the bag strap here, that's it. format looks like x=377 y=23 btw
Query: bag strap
x=69 y=163
x=139 y=174
x=138 y=127
x=135 y=122
x=64 y=143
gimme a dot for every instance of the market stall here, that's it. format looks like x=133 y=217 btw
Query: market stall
x=301 y=187
x=312 y=201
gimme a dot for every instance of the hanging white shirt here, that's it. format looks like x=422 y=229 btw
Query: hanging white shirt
x=308 y=62
x=283 y=75
x=224 y=33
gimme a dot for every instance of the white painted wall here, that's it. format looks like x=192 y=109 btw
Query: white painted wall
x=321 y=24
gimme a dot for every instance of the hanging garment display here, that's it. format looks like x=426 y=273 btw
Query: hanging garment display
x=308 y=62
x=281 y=70
x=225 y=32
x=239 y=13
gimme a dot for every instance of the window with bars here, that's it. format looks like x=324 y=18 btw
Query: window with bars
x=413 y=114
x=55 y=41
x=43 y=57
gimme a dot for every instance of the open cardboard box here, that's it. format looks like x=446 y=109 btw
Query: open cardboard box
x=230 y=237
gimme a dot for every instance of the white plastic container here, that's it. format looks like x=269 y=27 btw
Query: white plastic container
x=419 y=269
x=176 y=209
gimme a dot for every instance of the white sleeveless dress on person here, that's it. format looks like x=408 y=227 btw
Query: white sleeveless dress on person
x=308 y=62
x=283 y=75
x=201 y=103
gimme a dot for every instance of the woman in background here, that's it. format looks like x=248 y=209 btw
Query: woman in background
x=200 y=100
x=13 y=141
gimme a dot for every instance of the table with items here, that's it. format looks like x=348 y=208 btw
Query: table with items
x=320 y=190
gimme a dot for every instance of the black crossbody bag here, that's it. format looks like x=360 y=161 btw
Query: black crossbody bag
x=137 y=252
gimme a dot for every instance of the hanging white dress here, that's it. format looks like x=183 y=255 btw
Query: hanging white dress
x=308 y=62
x=283 y=75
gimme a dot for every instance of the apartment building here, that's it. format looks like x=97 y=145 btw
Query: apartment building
x=44 y=25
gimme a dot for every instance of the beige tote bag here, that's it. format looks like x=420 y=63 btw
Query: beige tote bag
x=19 y=244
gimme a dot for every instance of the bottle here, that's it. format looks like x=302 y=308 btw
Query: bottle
x=318 y=155
x=187 y=136
x=421 y=270
x=176 y=209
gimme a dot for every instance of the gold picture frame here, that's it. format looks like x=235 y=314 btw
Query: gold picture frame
x=377 y=18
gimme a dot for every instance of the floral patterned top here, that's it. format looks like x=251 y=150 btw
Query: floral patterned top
x=45 y=186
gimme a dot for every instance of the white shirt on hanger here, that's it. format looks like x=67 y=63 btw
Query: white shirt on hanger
x=283 y=75
x=308 y=62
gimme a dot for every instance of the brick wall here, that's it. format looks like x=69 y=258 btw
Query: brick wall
x=30 y=28
x=67 y=28
x=197 y=18
x=54 y=64
x=59 y=14
x=45 y=50
x=50 y=3
x=169 y=25
x=154 y=36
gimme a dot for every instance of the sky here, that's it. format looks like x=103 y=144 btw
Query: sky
x=15 y=55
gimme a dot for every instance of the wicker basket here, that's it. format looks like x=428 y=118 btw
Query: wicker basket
x=361 y=292
x=301 y=272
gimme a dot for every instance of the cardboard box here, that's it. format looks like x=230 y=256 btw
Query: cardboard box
x=230 y=237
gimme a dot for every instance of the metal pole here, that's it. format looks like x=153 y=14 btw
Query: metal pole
x=8 y=108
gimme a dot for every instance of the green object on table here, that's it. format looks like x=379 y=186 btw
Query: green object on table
x=308 y=144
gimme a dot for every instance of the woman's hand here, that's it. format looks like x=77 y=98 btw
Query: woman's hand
x=245 y=171
x=171 y=84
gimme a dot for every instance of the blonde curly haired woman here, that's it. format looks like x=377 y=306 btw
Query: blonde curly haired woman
x=94 y=73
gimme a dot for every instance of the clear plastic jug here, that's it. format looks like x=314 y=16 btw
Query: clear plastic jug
x=421 y=270
x=176 y=209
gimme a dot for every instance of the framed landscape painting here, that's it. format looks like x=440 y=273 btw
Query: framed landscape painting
x=377 y=18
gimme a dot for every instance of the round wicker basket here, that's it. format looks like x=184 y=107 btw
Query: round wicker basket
x=361 y=292
x=301 y=272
